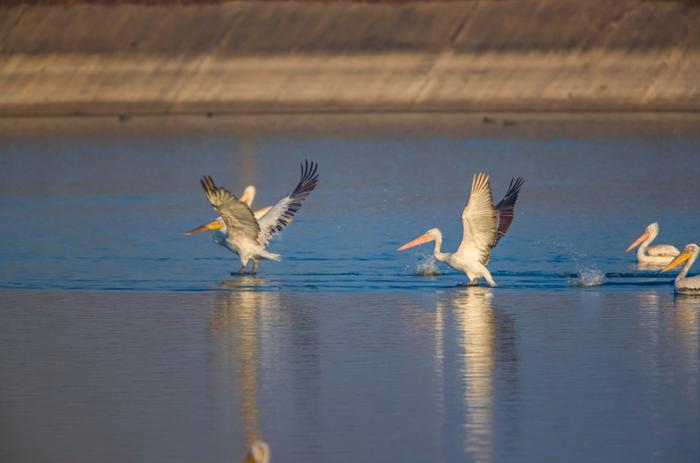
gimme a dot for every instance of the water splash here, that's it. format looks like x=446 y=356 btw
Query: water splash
x=587 y=276
x=427 y=266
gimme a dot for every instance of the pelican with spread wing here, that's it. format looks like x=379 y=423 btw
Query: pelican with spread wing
x=483 y=226
x=241 y=231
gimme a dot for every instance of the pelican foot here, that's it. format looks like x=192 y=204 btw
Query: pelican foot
x=467 y=284
x=240 y=271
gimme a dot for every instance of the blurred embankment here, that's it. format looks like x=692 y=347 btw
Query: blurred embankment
x=160 y=57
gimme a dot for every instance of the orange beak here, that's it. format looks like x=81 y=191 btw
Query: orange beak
x=680 y=258
x=638 y=241
x=424 y=238
x=213 y=225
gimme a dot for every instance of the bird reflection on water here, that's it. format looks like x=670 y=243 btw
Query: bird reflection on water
x=486 y=341
x=682 y=319
x=235 y=324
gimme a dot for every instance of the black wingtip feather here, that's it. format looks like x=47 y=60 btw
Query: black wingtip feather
x=307 y=183
x=512 y=194
x=208 y=184
x=309 y=178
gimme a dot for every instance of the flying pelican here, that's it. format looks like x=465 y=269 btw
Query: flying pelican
x=483 y=226
x=259 y=453
x=682 y=284
x=240 y=231
x=659 y=254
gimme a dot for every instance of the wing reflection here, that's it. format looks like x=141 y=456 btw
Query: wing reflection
x=235 y=325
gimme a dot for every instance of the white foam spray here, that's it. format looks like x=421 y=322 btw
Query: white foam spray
x=587 y=276
x=427 y=266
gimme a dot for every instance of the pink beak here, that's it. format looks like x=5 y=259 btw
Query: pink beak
x=638 y=241
x=424 y=238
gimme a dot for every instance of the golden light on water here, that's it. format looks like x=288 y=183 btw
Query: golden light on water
x=239 y=314
x=682 y=322
x=474 y=317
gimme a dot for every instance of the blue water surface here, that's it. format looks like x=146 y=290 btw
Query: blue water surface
x=110 y=212
x=122 y=339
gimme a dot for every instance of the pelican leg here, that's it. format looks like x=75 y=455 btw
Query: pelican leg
x=489 y=279
x=240 y=270
x=255 y=266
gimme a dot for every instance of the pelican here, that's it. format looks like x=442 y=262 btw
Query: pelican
x=483 y=226
x=259 y=453
x=239 y=230
x=246 y=198
x=682 y=284
x=659 y=254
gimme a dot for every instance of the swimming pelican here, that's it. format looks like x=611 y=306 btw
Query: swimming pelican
x=259 y=453
x=659 y=254
x=682 y=284
x=483 y=226
x=240 y=231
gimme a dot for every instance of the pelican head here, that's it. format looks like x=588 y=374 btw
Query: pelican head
x=431 y=235
x=259 y=453
x=688 y=251
x=216 y=224
x=650 y=232
x=248 y=195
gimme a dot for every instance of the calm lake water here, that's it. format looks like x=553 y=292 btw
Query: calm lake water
x=121 y=339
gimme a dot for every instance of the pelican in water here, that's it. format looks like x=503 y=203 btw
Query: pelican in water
x=682 y=284
x=239 y=230
x=259 y=453
x=483 y=226
x=659 y=254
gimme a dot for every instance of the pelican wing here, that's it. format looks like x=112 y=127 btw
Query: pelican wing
x=662 y=250
x=261 y=212
x=479 y=221
x=282 y=213
x=505 y=207
x=237 y=216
